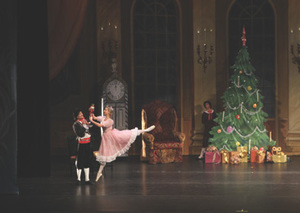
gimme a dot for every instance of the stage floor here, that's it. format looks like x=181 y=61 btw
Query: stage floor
x=191 y=186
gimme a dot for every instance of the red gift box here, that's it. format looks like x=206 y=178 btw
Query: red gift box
x=253 y=154
x=212 y=157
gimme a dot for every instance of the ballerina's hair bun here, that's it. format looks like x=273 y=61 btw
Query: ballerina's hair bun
x=110 y=109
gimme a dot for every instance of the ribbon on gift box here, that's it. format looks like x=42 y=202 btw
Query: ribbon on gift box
x=214 y=157
x=243 y=154
x=254 y=148
x=260 y=156
x=235 y=159
x=225 y=156
x=242 y=151
x=259 y=152
x=212 y=149
x=277 y=150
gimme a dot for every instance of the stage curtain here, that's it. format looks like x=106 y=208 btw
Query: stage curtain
x=8 y=98
x=65 y=21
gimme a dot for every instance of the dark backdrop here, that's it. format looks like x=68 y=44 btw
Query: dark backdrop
x=8 y=108
x=32 y=89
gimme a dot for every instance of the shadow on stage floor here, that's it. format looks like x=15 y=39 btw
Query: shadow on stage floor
x=191 y=186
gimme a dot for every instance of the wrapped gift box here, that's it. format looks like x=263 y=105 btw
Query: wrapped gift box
x=212 y=157
x=225 y=156
x=260 y=156
x=243 y=153
x=253 y=154
x=279 y=158
x=234 y=157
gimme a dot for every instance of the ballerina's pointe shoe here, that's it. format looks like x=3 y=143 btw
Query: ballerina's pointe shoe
x=150 y=128
x=98 y=176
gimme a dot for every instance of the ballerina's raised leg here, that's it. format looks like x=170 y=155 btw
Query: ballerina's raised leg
x=141 y=131
x=102 y=164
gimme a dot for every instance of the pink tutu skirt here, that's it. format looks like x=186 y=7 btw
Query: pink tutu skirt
x=115 y=143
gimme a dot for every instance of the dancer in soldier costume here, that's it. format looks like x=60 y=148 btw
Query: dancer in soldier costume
x=84 y=152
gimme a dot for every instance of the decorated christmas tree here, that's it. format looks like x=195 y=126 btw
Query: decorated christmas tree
x=242 y=122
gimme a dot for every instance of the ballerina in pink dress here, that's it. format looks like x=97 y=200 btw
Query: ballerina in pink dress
x=114 y=142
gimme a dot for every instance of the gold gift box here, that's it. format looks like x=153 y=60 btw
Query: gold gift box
x=243 y=153
x=232 y=155
x=260 y=156
x=225 y=156
x=279 y=158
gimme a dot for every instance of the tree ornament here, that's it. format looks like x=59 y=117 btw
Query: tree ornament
x=219 y=131
x=238 y=143
x=238 y=116
x=262 y=149
x=240 y=72
x=229 y=129
x=249 y=88
x=254 y=105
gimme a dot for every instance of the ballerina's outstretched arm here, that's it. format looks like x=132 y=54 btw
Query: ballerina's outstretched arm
x=96 y=123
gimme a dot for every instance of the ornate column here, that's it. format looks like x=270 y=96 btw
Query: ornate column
x=204 y=77
x=293 y=135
